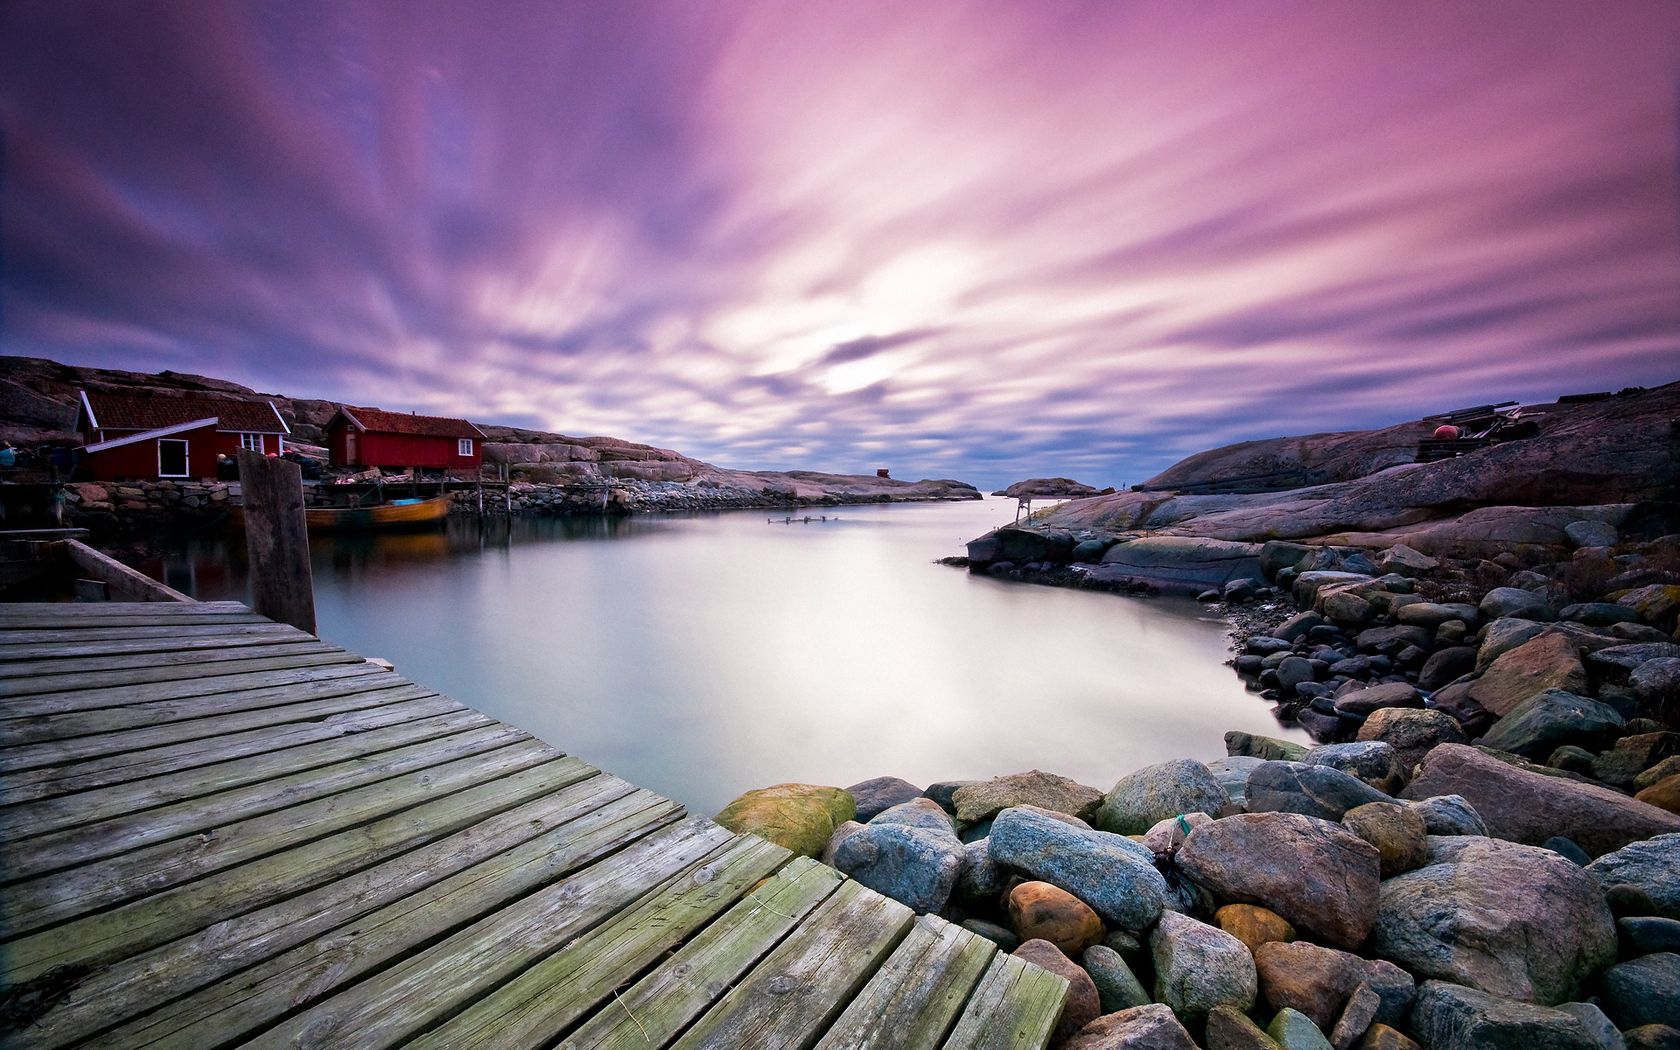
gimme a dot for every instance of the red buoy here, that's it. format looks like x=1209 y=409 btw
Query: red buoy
x=1446 y=432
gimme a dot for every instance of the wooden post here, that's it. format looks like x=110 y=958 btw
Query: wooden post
x=281 y=585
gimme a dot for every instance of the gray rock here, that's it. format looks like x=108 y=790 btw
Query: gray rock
x=1151 y=1027
x=1117 y=987
x=1650 y=869
x=1431 y=615
x=1501 y=636
x=918 y=812
x=1111 y=873
x=1317 y=875
x=841 y=834
x=1357 y=1015
x=1373 y=761
x=1598 y=614
x=1626 y=658
x=1445 y=665
x=881 y=793
x=1656 y=681
x=1364 y=701
x=1239 y=744
x=1546 y=720
x=1546 y=661
x=1652 y=1037
x=1589 y=533
x=981 y=881
x=1644 y=934
x=986 y=798
x=1635 y=632
x=1298 y=625
x=1412 y=734
x=1452 y=1017
x=1529 y=807
x=1199 y=967
x=1598 y=1026
x=1406 y=561
x=1267 y=645
x=1567 y=849
x=943 y=793
x=1154 y=793
x=1449 y=815
x=1391 y=639
x=1315 y=791
x=1644 y=991
x=1002 y=936
x=1294 y=1030
x=1514 y=602
x=1293 y=671
x=916 y=865
x=1511 y=920
x=1233 y=772
x=1229 y=1029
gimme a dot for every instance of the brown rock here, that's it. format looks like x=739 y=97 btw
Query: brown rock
x=1398 y=833
x=1664 y=794
x=1381 y=1037
x=1318 y=981
x=1547 y=661
x=1530 y=808
x=1040 y=911
x=1231 y=1029
x=1082 y=1006
x=1357 y=1015
x=1412 y=733
x=987 y=798
x=1151 y=1027
x=1254 y=925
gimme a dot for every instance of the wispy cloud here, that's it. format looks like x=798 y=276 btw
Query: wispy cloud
x=975 y=240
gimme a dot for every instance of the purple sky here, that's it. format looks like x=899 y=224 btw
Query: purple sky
x=986 y=240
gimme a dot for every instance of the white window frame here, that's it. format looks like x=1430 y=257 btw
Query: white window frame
x=252 y=443
x=463 y=446
x=186 y=458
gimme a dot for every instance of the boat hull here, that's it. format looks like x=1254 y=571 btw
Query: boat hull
x=380 y=517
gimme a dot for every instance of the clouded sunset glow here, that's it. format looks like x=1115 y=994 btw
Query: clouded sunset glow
x=983 y=240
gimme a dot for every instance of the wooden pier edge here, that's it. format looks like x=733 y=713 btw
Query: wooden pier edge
x=200 y=848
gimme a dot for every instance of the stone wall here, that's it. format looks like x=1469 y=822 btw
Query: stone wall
x=142 y=503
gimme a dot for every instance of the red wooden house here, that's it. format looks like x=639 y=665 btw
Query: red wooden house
x=372 y=437
x=161 y=437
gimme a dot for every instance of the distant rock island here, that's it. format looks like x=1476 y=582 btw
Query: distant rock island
x=1050 y=488
x=39 y=398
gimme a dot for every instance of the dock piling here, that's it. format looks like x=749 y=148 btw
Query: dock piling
x=282 y=587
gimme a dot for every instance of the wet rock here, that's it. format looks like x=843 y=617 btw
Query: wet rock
x=1039 y=911
x=1515 y=603
x=1511 y=920
x=1314 y=791
x=1151 y=1027
x=1239 y=744
x=1198 y=967
x=1650 y=869
x=1547 y=661
x=1530 y=807
x=1318 y=981
x=1412 y=734
x=1449 y=815
x=798 y=817
x=986 y=798
x=1254 y=925
x=1155 y=793
x=1538 y=725
x=1397 y=831
x=1373 y=761
x=881 y=793
x=1117 y=987
x=1082 y=1005
x=1452 y=1017
x=1317 y=875
x=1111 y=873
x=1294 y=671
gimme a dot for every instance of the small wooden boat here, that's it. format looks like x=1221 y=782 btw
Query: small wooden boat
x=392 y=515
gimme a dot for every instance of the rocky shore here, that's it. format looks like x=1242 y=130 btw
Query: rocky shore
x=1482 y=849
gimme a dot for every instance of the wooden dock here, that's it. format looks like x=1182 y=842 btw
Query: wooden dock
x=216 y=831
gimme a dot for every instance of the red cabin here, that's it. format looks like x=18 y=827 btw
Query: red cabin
x=372 y=437
x=159 y=437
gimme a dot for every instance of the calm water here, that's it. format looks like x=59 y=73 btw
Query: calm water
x=703 y=655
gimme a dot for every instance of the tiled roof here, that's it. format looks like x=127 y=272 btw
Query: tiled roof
x=382 y=422
x=123 y=412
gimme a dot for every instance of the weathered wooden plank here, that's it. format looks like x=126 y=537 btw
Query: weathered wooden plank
x=64 y=623
x=88 y=842
x=129 y=989
x=53 y=683
x=87 y=807
x=792 y=997
x=129 y=929
x=1015 y=1007
x=534 y=1008
x=74 y=698
x=914 y=999
x=33 y=903
x=11 y=612
x=58 y=779
x=55 y=667
x=276 y=539
x=660 y=1005
x=81 y=650
x=15 y=731
x=76 y=748
x=391 y=1007
x=254 y=624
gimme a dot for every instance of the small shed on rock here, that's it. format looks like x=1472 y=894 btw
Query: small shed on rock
x=373 y=437
x=160 y=437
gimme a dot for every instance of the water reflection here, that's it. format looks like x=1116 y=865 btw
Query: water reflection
x=701 y=655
